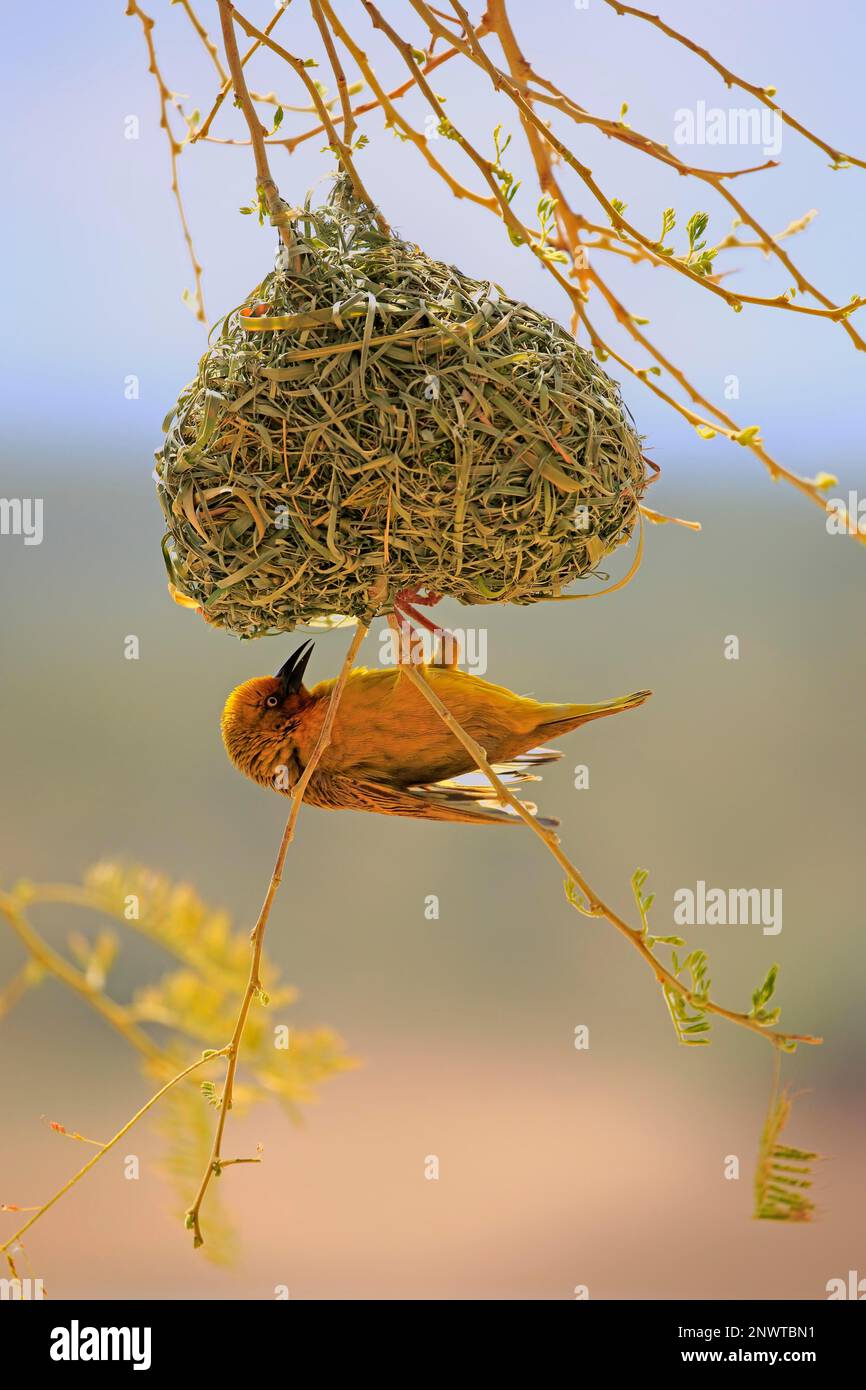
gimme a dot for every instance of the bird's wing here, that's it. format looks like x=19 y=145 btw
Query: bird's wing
x=466 y=799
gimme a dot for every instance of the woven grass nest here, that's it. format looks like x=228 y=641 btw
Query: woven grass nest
x=372 y=421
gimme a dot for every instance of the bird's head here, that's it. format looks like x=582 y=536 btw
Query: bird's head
x=259 y=718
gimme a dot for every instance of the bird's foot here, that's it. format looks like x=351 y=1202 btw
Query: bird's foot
x=412 y=642
x=428 y=599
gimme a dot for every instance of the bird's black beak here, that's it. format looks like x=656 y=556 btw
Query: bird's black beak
x=291 y=673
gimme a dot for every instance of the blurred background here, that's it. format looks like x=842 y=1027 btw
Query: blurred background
x=558 y=1167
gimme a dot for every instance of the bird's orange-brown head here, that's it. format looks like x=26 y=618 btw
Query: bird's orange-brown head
x=259 y=720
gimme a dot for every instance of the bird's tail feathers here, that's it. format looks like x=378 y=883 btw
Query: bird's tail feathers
x=572 y=716
x=473 y=805
x=469 y=797
x=520 y=768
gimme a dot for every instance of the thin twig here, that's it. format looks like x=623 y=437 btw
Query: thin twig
x=730 y=79
x=167 y=98
x=573 y=224
x=722 y=423
x=205 y=37
x=91 y=1163
x=265 y=185
x=292 y=142
x=339 y=74
x=62 y=969
x=503 y=82
x=338 y=144
x=394 y=118
x=202 y=132
x=596 y=906
x=522 y=71
x=258 y=934
x=72 y=894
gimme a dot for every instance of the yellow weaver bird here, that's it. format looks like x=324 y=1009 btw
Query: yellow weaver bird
x=389 y=751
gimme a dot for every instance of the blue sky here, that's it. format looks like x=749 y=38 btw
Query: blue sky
x=96 y=264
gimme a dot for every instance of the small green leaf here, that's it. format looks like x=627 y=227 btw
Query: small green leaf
x=823 y=481
x=765 y=991
x=748 y=435
x=695 y=227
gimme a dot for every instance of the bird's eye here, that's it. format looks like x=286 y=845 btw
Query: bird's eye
x=272 y=701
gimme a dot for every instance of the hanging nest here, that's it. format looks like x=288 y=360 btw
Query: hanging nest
x=371 y=421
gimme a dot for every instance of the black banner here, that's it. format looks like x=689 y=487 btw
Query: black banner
x=63 y=1339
